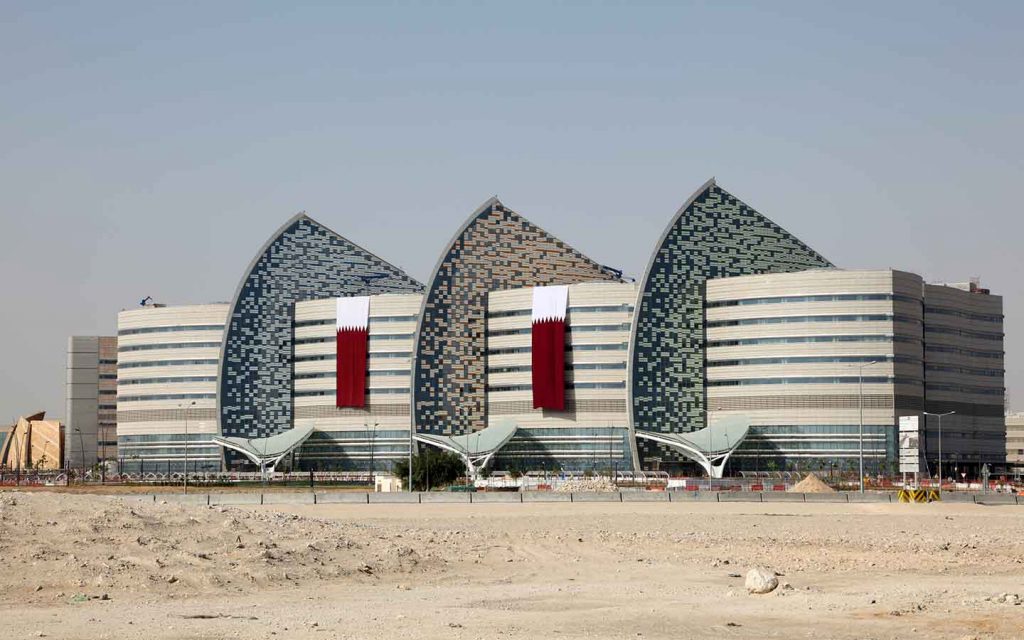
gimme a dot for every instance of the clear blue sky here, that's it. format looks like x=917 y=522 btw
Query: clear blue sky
x=150 y=150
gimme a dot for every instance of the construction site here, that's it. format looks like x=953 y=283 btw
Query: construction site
x=288 y=565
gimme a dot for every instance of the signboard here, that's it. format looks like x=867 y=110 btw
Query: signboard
x=910 y=444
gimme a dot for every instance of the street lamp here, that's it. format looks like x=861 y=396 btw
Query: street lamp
x=860 y=409
x=711 y=443
x=189 y=405
x=81 y=446
x=412 y=431
x=939 y=416
x=373 y=437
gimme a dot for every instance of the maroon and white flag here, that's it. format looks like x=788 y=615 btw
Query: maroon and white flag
x=549 y=305
x=353 y=325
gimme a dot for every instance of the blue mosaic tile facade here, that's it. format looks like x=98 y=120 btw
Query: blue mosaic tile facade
x=714 y=235
x=303 y=261
x=495 y=249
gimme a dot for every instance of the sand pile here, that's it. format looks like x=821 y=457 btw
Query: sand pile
x=63 y=546
x=812 y=484
x=580 y=485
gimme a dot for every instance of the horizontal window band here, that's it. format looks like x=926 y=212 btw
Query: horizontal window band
x=569 y=329
x=372 y=392
x=168 y=396
x=876 y=317
x=936 y=348
x=811 y=360
x=958 y=313
x=964 y=333
x=576 y=385
x=380 y=337
x=166 y=415
x=809 y=380
x=371 y=409
x=398 y=373
x=621 y=346
x=132 y=381
x=167 y=363
x=811 y=339
x=968 y=389
x=171 y=329
x=170 y=345
x=596 y=366
x=971 y=371
x=840 y=297
x=330 y=322
x=372 y=355
x=517 y=313
x=572 y=406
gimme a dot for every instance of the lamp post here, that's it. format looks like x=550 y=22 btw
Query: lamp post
x=81 y=448
x=412 y=428
x=939 y=416
x=373 y=436
x=186 y=407
x=860 y=410
x=711 y=443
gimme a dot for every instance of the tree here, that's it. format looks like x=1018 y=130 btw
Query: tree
x=441 y=467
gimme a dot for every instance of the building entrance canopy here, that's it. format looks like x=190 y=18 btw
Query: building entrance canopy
x=709 y=447
x=267 y=452
x=475 y=449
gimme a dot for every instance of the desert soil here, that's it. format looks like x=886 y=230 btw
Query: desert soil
x=87 y=566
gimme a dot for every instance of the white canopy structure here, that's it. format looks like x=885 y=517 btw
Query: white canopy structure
x=709 y=447
x=267 y=452
x=476 y=449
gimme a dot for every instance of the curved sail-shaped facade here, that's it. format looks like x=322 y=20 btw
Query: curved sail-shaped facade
x=713 y=235
x=494 y=249
x=303 y=260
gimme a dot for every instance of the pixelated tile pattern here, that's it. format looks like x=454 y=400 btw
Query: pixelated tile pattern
x=496 y=249
x=303 y=261
x=714 y=236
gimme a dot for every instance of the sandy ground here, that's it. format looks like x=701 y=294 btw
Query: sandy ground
x=78 y=566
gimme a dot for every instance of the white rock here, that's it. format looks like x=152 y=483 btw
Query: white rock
x=761 y=580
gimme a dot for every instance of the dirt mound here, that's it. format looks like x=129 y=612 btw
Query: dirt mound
x=586 y=485
x=68 y=546
x=812 y=484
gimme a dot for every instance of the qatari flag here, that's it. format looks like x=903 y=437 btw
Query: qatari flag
x=353 y=325
x=549 y=346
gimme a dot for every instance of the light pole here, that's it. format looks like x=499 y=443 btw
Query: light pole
x=939 y=416
x=860 y=410
x=189 y=405
x=81 y=447
x=711 y=444
x=412 y=428
x=373 y=474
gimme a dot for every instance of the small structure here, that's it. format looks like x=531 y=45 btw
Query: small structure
x=476 y=449
x=267 y=452
x=33 y=443
x=709 y=447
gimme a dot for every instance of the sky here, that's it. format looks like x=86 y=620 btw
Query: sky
x=149 y=149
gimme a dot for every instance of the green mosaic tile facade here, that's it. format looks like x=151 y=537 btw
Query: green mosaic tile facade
x=714 y=235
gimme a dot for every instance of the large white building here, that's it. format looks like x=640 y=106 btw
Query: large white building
x=593 y=431
x=810 y=356
x=350 y=437
x=734 y=320
x=167 y=385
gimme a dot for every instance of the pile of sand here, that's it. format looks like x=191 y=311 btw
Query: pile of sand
x=812 y=484
x=586 y=485
x=59 y=545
